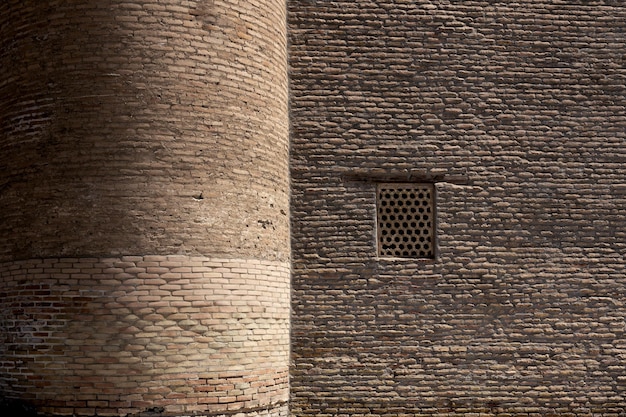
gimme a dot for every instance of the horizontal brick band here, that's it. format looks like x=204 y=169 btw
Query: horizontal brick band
x=123 y=335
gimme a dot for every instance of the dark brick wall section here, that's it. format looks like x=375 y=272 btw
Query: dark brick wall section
x=517 y=111
x=144 y=199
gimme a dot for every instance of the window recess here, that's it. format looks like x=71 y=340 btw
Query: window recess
x=406 y=220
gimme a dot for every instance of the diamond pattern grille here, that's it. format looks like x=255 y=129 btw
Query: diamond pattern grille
x=406 y=220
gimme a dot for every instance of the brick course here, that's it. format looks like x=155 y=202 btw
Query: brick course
x=122 y=335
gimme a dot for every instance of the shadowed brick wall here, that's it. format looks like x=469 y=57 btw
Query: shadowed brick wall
x=516 y=111
x=144 y=231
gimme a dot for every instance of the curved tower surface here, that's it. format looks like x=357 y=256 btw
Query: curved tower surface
x=144 y=234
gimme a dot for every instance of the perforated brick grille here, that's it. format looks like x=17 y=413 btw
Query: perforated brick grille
x=406 y=220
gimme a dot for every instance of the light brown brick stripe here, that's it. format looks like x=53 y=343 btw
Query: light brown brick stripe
x=122 y=335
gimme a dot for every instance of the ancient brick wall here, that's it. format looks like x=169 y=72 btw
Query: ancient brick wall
x=144 y=231
x=516 y=112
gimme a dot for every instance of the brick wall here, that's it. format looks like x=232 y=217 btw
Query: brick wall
x=130 y=127
x=516 y=111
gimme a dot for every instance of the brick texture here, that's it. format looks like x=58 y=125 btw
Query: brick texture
x=117 y=336
x=160 y=129
x=517 y=112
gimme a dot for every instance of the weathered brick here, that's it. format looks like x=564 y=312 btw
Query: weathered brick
x=521 y=101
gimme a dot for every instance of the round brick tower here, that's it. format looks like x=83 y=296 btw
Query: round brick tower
x=144 y=231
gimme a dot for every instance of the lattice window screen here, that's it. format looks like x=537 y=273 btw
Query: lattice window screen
x=406 y=220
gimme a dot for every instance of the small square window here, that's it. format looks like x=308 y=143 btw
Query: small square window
x=406 y=217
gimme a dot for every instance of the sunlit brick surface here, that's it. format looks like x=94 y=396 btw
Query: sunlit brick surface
x=113 y=336
x=127 y=128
